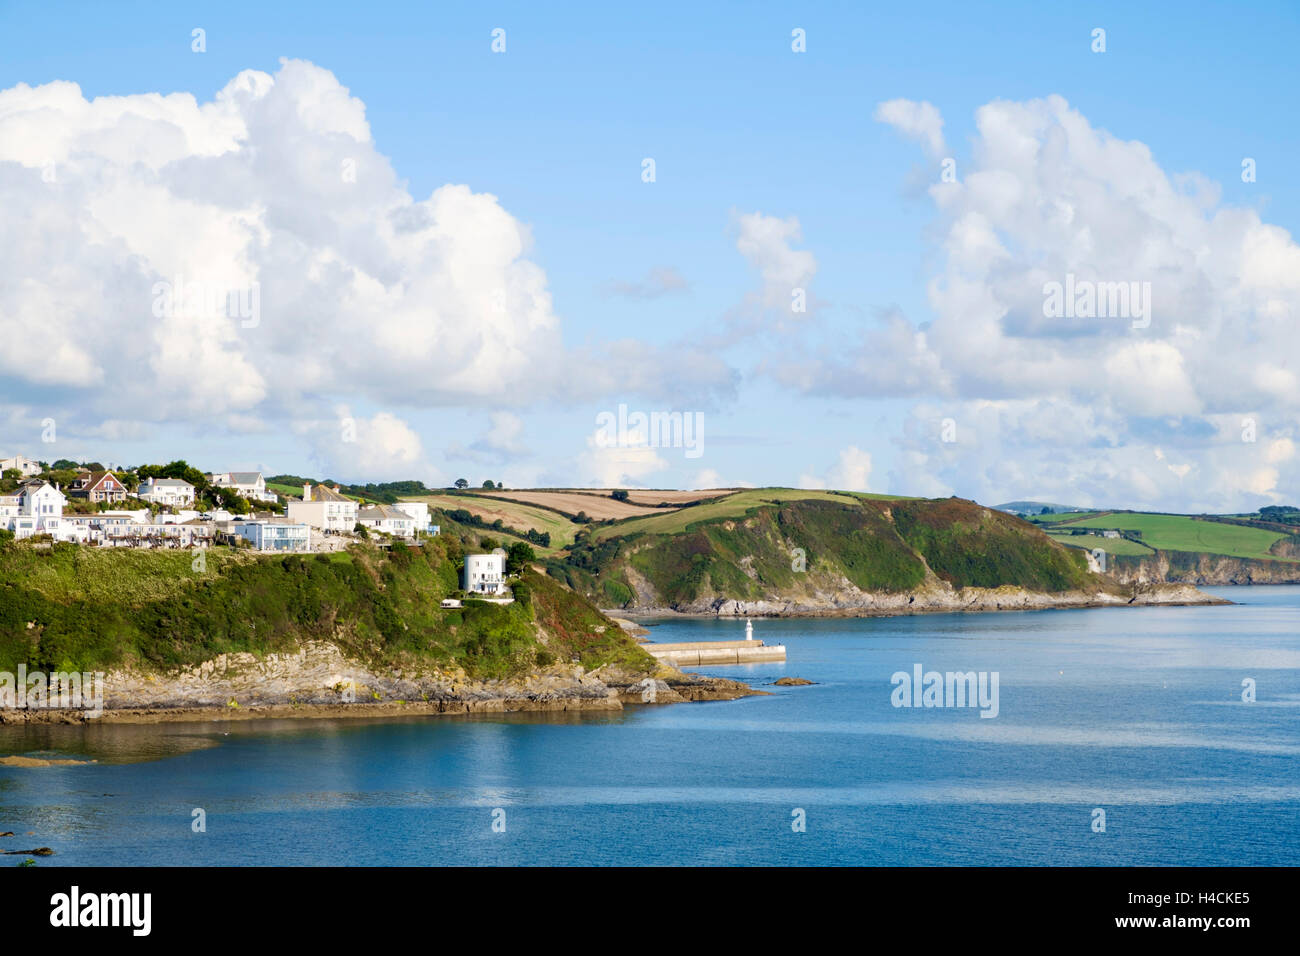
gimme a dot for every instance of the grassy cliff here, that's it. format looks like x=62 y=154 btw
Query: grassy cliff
x=780 y=546
x=74 y=608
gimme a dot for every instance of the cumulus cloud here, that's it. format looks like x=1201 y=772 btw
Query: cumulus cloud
x=852 y=472
x=920 y=121
x=1070 y=406
x=766 y=242
x=252 y=256
x=357 y=448
x=709 y=478
x=621 y=464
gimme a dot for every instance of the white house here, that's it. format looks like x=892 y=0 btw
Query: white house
x=485 y=573
x=246 y=484
x=37 y=508
x=274 y=535
x=324 y=509
x=172 y=492
x=387 y=519
x=28 y=467
x=419 y=510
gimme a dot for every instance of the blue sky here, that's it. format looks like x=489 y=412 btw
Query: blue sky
x=738 y=125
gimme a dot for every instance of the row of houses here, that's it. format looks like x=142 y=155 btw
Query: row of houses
x=37 y=506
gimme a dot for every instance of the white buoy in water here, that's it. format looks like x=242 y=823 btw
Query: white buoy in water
x=749 y=629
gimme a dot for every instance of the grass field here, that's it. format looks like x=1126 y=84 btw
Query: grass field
x=514 y=515
x=1062 y=517
x=1186 y=533
x=1110 y=545
x=733 y=506
x=597 y=505
x=655 y=496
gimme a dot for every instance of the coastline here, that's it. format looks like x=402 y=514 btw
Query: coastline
x=319 y=682
x=858 y=604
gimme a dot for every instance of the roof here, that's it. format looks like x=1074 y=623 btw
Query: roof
x=245 y=477
x=96 y=478
x=383 y=513
x=169 y=482
x=323 y=493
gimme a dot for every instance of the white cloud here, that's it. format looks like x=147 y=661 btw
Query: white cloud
x=765 y=241
x=1070 y=408
x=708 y=479
x=852 y=472
x=622 y=465
x=274 y=190
x=919 y=121
x=659 y=282
x=356 y=448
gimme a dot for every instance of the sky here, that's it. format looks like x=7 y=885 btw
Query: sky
x=523 y=242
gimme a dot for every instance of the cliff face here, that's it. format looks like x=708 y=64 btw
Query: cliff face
x=859 y=557
x=1192 y=568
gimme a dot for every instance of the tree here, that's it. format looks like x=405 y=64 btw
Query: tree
x=488 y=484
x=462 y=482
x=618 y=495
x=1046 y=510
x=64 y=464
x=519 y=557
x=231 y=500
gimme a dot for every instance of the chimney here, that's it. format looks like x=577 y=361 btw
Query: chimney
x=306 y=491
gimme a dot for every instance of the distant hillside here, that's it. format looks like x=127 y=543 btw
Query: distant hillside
x=1035 y=508
x=822 y=550
x=1194 y=549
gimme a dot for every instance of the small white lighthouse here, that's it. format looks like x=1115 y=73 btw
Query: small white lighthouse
x=749 y=629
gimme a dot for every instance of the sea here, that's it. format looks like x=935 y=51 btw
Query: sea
x=1117 y=736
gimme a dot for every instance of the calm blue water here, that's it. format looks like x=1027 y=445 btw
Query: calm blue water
x=1136 y=711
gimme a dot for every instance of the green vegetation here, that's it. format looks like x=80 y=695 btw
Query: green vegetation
x=516 y=518
x=1090 y=541
x=764 y=544
x=732 y=506
x=387 y=492
x=67 y=607
x=970 y=546
x=1061 y=517
x=1167 y=532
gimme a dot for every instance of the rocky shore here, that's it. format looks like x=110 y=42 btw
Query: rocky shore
x=319 y=681
x=848 y=601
